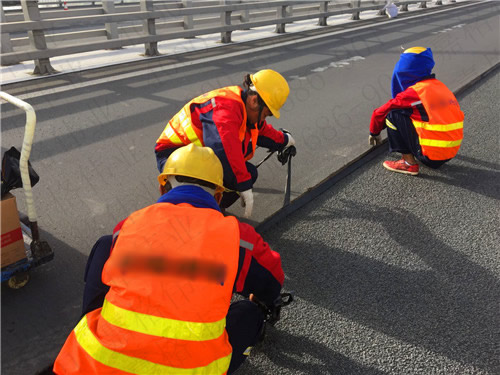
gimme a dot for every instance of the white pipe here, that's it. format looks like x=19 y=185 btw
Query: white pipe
x=29 y=133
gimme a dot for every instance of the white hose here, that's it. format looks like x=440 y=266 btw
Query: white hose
x=29 y=133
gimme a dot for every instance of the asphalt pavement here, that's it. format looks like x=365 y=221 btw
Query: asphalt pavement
x=395 y=274
x=93 y=151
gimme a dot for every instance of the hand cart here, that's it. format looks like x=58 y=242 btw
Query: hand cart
x=37 y=251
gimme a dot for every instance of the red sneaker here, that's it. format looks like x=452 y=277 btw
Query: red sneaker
x=401 y=166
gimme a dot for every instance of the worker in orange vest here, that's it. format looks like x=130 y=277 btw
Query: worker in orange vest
x=423 y=119
x=158 y=291
x=232 y=122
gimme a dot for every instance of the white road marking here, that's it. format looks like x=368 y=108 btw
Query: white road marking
x=337 y=64
x=448 y=29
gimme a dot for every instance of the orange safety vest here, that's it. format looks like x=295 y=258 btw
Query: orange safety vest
x=441 y=134
x=171 y=274
x=180 y=130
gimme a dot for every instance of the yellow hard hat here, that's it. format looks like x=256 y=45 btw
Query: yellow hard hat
x=196 y=162
x=272 y=88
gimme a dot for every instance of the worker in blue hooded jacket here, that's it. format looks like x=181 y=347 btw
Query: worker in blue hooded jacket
x=423 y=119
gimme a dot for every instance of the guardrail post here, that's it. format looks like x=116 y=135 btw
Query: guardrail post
x=355 y=4
x=225 y=20
x=188 y=20
x=245 y=15
x=323 y=8
x=111 y=27
x=423 y=4
x=289 y=11
x=439 y=2
x=404 y=8
x=36 y=37
x=6 y=44
x=281 y=13
x=150 y=48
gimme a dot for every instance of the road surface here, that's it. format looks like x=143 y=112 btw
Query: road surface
x=96 y=132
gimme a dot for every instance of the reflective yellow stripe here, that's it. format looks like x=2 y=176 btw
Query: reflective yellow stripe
x=139 y=366
x=162 y=327
x=390 y=124
x=438 y=143
x=438 y=128
x=188 y=128
x=185 y=121
x=172 y=136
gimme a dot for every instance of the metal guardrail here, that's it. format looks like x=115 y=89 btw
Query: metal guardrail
x=39 y=33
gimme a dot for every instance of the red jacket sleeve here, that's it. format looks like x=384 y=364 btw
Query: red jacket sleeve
x=259 y=268
x=403 y=100
x=271 y=138
x=221 y=128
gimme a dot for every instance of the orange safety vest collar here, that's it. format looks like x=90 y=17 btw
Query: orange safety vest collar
x=171 y=276
x=440 y=136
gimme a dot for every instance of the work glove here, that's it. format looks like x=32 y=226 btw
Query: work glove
x=374 y=140
x=285 y=154
x=247 y=202
x=291 y=141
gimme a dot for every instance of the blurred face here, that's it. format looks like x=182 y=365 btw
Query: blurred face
x=252 y=107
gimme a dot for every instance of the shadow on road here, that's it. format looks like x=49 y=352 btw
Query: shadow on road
x=293 y=350
x=40 y=315
x=484 y=180
x=450 y=309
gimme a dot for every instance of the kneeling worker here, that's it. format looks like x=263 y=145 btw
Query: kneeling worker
x=424 y=121
x=168 y=274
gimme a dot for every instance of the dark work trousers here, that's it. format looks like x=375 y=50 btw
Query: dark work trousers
x=228 y=198
x=244 y=320
x=244 y=324
x=404 y=139
x=95 y=290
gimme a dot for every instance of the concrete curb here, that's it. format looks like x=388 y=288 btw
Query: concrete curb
x=349 y=168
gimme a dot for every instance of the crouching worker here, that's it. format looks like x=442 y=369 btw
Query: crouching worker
x=169 y=274
x=232 y=122
x=424 y=121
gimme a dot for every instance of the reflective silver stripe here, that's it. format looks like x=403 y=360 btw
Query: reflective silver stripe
x=246 y=245
x=115 y=234
x=213 y=102
x=416 y=103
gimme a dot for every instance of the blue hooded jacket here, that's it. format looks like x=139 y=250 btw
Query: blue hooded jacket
x=412 y=67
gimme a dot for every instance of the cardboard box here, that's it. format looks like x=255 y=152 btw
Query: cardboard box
x=12 y=243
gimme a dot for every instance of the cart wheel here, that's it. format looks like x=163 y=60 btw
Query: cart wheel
x=19 y=280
